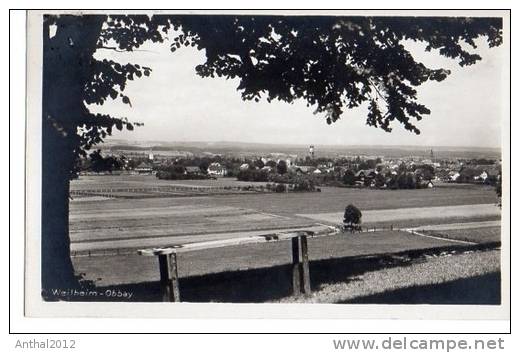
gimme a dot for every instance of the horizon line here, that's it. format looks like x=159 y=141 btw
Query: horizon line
x=298 y=144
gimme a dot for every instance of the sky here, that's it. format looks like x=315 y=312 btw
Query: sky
x=177 y=105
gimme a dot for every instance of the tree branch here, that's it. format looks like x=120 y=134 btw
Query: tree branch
x=123 y=50
x=377 y=90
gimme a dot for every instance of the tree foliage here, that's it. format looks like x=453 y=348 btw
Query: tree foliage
x=349 y=178
x=352 y=215
x=98 y=163
x=281 y=167
x=333 y=63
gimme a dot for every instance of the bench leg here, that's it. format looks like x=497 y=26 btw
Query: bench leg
x=306 y=278
x=169 y=278
x=301 y=282
x=296 y=284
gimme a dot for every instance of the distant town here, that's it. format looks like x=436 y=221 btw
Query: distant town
x=299 y=169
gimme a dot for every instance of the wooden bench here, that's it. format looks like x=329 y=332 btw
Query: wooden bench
x=301 y=282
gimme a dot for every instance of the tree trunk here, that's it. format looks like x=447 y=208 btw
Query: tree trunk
x=57 y=270
x=67 y=58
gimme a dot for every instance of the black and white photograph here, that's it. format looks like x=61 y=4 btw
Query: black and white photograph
x=342 y=160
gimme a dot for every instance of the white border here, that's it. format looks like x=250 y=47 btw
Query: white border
x=36 y=307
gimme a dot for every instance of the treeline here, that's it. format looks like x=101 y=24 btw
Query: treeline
x=179 y=172
x=95 y=162
x=170 y=175
x=296 y=182
x=402 y=180
x=259 y=175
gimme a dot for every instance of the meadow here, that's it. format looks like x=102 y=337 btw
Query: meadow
x=484 y=234
x=330 y=199
x=113 y=269
x=106 y=232
x=113 y=221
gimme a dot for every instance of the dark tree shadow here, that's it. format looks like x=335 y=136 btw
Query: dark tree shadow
x=267 y=284
x=478 y=290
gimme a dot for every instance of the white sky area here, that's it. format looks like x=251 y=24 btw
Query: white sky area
x=177 y=105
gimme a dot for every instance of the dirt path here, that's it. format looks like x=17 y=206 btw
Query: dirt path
x=452 y=226
x=400 y=214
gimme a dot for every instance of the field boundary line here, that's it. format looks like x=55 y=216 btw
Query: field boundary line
x=266 y=213
x=157 y=236
x=414 y=232
x=461 y=225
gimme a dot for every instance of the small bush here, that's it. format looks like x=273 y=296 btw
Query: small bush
x=352 y=217
x=279 y=188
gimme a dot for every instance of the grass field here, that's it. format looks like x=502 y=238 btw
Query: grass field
x=476 y=235
x=115 y=269
x=329 y=200
x=119 y=222
x=129 y=223
x=398 y=215
x=335 y=199
x=132 y=220
x=125 y=180
x=98 y=223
